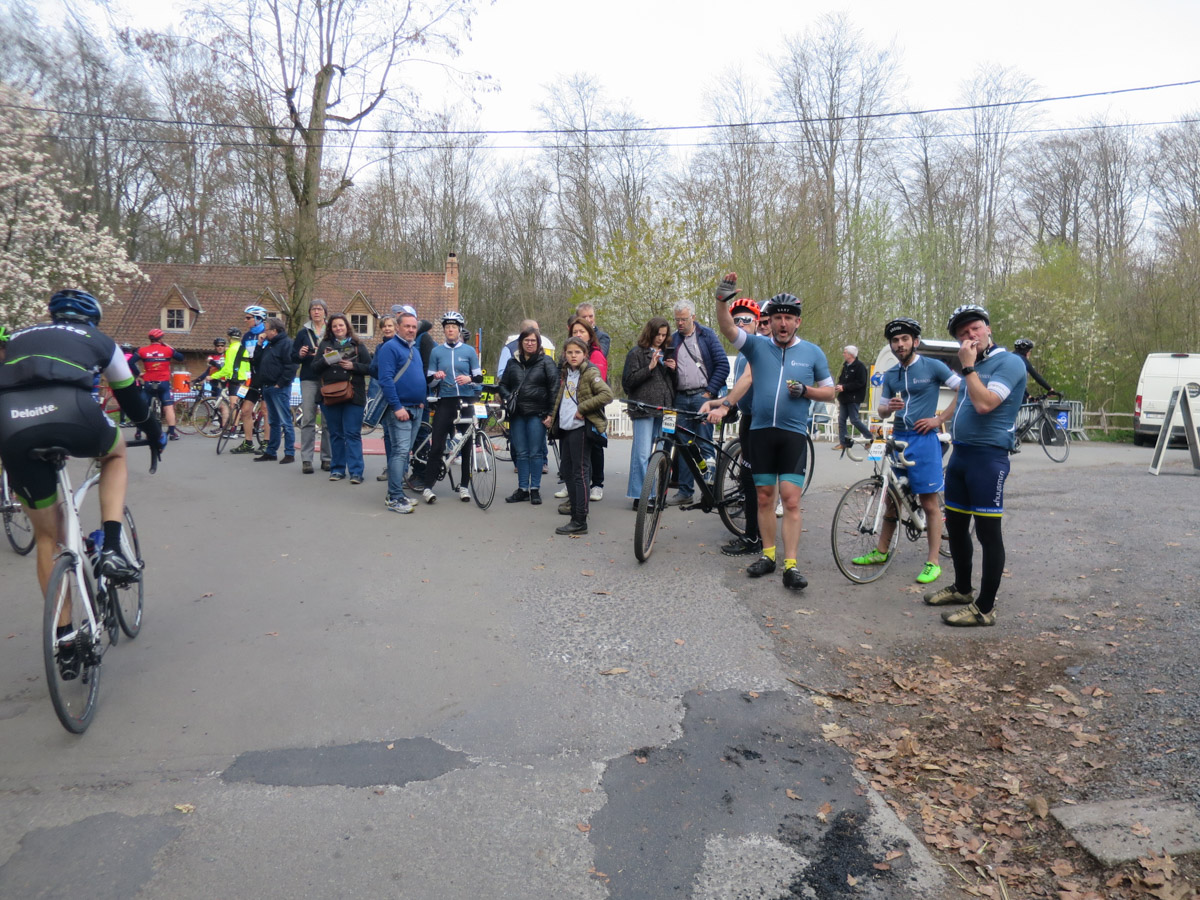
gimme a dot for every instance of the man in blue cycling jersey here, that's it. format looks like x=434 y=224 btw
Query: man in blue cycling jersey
x=981 y=428
x=788 y=374
x=910 y=392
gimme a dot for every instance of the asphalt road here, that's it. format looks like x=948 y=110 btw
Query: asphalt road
x=328 y=699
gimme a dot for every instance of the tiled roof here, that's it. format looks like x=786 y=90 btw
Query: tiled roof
x=212 y=298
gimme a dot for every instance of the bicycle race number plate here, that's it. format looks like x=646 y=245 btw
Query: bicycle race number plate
x=481 y=411
x=668 y=425
x=243 y=391
x=876 y=451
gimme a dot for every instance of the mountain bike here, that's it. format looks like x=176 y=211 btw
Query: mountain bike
x=469 y=438
x=860 y=515
x=1050 y=425
x=94 y=607
x=16 y=524
x=678 y=446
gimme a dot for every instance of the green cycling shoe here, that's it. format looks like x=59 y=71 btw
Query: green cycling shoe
x=874 y=558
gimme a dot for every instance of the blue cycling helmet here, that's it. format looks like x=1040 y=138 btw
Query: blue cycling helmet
x=75 y=306
x=783 y=303
x=259 y=312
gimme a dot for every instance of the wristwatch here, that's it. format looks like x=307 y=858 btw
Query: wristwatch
x=727 y=404
x=967 y=370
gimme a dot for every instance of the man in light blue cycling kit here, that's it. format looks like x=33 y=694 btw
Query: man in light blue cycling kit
x=982 y=429
x=910 y=391
x=787 y=374
x=455 y=373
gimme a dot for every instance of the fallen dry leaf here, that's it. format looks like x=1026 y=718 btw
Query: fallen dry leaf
x=851 y=880
x=617 y=670
x=588 y=572
x=1140 y=830
x=680 y=641
x=391 y=746
x=584 y=828
x=792 y=795
x=825 y=809
x=186 y=808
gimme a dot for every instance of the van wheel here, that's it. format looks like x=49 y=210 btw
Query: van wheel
x=1140 y=441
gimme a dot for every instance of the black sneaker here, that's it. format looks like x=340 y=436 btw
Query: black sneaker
x=760 y=567
x=572 y=527
x=520 y=495
x=793 y=580
x=535 y=497
x=116 y=568
x=266 y=457
x=741 y=547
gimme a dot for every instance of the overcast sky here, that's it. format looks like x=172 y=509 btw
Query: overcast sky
x=665 y=56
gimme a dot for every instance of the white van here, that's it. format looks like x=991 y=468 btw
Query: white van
x=1161 y=373
x=946 y=351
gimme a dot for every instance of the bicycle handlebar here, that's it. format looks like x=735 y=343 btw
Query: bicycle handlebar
x=898 y=447
x=155 y=453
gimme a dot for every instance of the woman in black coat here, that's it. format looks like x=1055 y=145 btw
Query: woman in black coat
x=528 y=387
x=649 y=377
x=342 y=358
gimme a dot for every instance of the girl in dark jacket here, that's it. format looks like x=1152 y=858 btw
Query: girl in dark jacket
x=647 y=379
x=343 y=421
x=528 y=386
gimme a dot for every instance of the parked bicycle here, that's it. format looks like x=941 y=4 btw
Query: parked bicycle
x=885 y=497
x=718 y=488
x=1049 y=423
x=469 y=438
x=94 y=606
x=233 y=430
x=16 y=524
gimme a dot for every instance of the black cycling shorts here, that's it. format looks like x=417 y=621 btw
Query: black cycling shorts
x=160 y=389
x=778 y=455
x=55 y=415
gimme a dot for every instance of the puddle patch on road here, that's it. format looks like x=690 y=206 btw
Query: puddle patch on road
x=110 y=855
x=364 y=764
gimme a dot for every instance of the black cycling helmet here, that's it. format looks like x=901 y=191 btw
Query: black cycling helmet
x=234 y=333
x=1023 y=344
x=127 y=348
x=220 y=342
x=783 y=303
x=902 y=325
x=968 y=312
x=75 y=306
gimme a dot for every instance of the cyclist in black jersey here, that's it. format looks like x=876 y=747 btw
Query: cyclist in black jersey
x=46 y=401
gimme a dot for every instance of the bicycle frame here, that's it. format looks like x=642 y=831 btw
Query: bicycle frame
x=72 y=544
x=892 y=456
x=689 y=451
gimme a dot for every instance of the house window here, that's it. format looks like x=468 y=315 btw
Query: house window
x=176 y=320
x=361 y=324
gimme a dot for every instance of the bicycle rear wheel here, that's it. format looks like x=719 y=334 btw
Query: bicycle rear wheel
x=1054 y=440
x=855 y=529
x=128 y=598
x=810 y=464
x=72 y=665
x=16 y=524
x=419 y=458
x=483 y=470
x=204 y=418
x=651 y=504
x=185 y=410
x=731 y=501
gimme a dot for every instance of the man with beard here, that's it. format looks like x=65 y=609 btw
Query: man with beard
x=910 y=391
x=788 y=374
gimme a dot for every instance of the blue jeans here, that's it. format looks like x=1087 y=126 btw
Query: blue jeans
x=850 y=411
x=528 y=437
x=692 y=403
x=343 y=424
x=645 y=433
x=398 y=439
x=279 y=414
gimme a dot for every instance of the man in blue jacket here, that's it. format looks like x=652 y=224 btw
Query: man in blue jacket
x=274 y=378
x=402 y=380
x=701 y=368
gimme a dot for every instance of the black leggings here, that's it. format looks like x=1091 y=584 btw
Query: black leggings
x=447 y=411
x=991 y=541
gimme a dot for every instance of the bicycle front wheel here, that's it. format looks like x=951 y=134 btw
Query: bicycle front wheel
x=732 y=505
x=1054 y=440
x=128 y=598
x=17 y=525
x=651 y=504
x=185 y=416
x=72 y=663
x=205 y=419
x=857 y=521
x=483 y=470
x=810 y=464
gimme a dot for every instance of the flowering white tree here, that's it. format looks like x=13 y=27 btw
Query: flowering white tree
x=44 y=247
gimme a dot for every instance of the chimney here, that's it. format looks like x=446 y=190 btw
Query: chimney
x=452 y=273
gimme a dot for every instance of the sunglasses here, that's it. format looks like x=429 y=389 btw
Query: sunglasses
x=744 y=320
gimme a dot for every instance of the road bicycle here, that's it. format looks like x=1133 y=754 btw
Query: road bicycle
x=232 y=431
x=885 y=496
x=469 y=438
x=78 y=594
x=1049 y=423
x=718 y=487
x=16 y=524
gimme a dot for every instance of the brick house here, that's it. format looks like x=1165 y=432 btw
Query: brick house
x=193 y=304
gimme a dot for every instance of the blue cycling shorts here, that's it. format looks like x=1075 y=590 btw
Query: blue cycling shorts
x=926 y=451
x=975 y=479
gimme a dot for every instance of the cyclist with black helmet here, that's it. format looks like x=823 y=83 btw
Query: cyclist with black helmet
x=1022 y=347
x=788 y=375
x=230 y=374
x=45 y=400
x=455 y=374
x=981 y=428
x=910 y=391
x=156 y=358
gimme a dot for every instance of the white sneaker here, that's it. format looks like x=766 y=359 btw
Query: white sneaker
x=428 y=495
x=464 y=494
x=561 y=493
x=401 y=506
x=779 y=509
x=596 y=494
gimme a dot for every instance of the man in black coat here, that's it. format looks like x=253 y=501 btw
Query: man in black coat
x=851 y=391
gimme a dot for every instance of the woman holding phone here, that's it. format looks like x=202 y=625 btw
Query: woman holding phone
x=649 y=377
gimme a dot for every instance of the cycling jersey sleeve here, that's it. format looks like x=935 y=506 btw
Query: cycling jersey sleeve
x=117 y=371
